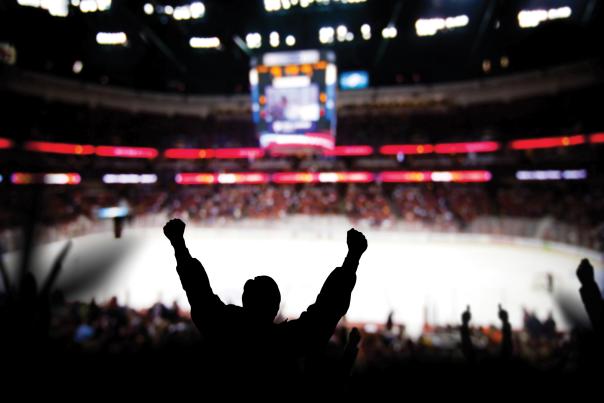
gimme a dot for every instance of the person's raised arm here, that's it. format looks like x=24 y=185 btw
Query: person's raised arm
x=466 y=342
x=591 y=296
x=507 y=346
x=320 y=319
x=351 y=350
x=174 y=230
x=357 y=245
x=334 y=297
x=193 y=277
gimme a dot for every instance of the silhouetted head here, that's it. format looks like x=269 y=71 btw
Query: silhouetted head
x=261 y=298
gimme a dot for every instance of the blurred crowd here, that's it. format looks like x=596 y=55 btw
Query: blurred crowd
x=116 y=329
x=551 y=212
x=113 y=328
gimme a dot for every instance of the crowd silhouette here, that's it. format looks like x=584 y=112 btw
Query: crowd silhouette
x=251 y=349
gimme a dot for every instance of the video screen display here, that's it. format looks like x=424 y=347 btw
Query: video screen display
x=354 y=80
x=293 y=100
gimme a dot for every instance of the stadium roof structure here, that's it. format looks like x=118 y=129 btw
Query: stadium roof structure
x=204 y=47
x=505 y=88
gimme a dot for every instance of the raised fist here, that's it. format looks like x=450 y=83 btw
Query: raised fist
x=466 y=316
x=174 y=230
x=585 y=272
x=503 y=314
x=356 y=242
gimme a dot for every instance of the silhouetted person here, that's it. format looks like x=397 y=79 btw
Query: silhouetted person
x=351 y=350
x=591 y=296
x=28 y=312
x=507 y=346
x=550 y=282
x=244 y=342
x=118 y=226
x=549 y=326
x=466 y=342
x=390 y=321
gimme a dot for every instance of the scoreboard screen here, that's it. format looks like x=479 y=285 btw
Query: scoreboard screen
x=294 y=100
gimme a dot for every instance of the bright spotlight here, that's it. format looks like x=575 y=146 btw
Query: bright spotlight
x=341 y=32
x=430 y=26
x=182 y=13
x=103 y=5
x=274 y=39
x=253 y=40
x=532 y=18
x=272 y=5
x=88 y=6
x=197 y=9
x=326 y=35
x=111 y=38
x=389 y=32
x=204 y=43
x=77 y=66
x=366 y=31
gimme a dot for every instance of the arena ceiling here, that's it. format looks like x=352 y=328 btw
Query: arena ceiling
x=153 y=46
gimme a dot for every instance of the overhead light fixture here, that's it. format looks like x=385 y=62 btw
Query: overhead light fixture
x=532 y=18
x=274 y=39
x=366 y=31
x=389 y=32
x=430 y=26
x=253 y=40
x=111 y=38
x=77 y=66
x=204 y=43
x=326 y=35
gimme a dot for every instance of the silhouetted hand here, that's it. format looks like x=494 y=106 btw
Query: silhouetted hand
x=174 y=230
x=503 y=314
x=585 y=272
x=357 y=244
x=354 y=337
x=466 y=316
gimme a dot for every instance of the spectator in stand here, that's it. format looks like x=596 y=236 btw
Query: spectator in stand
x=591 y=296
x=467 y=347
x=244 y=342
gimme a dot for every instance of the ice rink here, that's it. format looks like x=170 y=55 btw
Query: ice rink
x=418 y=276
